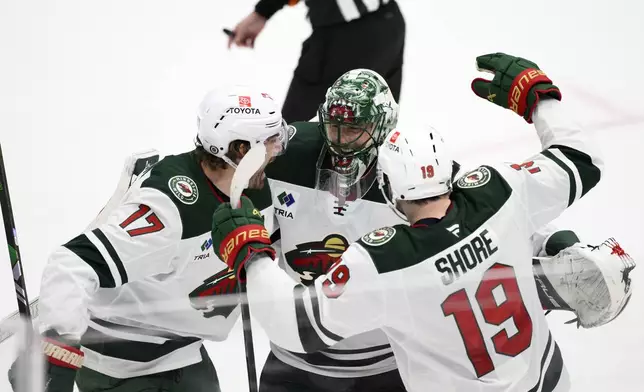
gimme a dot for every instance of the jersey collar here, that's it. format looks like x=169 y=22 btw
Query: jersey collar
x=427 y=222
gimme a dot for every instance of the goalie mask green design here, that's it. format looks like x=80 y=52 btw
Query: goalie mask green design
x=358 y=112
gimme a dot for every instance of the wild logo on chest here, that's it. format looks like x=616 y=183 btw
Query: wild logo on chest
x=312 y=259
x=466 y=256
x=217 y=295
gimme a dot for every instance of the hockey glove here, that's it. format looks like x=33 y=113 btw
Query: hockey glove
x=592 y=281
x=518 y=83
x=238 y=234
x=63 y=359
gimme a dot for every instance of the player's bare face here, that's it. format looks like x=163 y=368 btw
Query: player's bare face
x=349 y=138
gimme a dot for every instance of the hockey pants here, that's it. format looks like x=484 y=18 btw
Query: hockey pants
x=200 y=377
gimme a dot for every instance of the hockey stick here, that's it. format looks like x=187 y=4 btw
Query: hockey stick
x=27 y=382
x=248 y=166
x=12 y=243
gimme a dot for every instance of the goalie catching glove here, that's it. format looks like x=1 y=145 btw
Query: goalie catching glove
x=238 y=234
x=64 y=358
x=518 y=83
x=591 y=281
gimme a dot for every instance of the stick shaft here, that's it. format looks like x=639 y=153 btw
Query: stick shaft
x=12 y=242
x=248 y=340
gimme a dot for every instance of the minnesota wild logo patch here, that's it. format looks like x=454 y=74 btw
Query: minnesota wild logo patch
x=379 y=237
x=475 y=178
x=184 y=188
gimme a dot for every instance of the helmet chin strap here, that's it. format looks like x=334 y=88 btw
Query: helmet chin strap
x=390 y=200
x=229 y=162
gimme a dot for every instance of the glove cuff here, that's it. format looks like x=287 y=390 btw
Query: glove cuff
x=548 y=295
x=250 y=252
x=235 y=240
x=521 y=86
x=60 y=354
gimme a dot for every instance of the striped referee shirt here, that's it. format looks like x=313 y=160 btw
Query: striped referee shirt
x=325 y=12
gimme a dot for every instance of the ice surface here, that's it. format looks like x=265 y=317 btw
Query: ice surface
x=84 y=83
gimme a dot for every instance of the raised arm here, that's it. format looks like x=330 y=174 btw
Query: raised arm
x=568 y=166
x=564 y=171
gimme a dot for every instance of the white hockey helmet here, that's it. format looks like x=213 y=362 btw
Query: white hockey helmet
x=240 y=113
x=414 y=164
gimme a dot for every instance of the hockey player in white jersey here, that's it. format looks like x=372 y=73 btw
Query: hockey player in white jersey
x=134 y=289
x=461 y=312
x=324 y=196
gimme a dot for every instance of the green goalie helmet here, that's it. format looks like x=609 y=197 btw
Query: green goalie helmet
x=358 y=112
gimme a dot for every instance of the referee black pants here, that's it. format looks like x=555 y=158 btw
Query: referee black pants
x=376 y=41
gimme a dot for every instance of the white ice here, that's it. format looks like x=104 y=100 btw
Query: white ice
x=84 y=83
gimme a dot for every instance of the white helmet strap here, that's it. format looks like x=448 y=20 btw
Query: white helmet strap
x=229 y=161
x=389 y=199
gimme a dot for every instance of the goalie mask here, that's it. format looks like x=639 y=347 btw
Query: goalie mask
x=358 y=112
x=413 y=164
x=240 y=113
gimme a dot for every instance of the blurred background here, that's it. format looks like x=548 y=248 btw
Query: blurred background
x=85 y=83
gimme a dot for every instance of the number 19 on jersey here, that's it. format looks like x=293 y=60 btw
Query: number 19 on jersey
x=459 y=305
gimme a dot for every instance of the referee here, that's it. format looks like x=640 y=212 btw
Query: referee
x=347 y=34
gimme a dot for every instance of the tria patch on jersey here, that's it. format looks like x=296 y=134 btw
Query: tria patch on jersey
x=184 y=188
x=379 y=237
x=285 y=202
x=475 y=178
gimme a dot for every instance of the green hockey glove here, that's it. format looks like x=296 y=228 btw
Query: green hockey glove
x=238 y=234
x=518 y=83
x=63 y=359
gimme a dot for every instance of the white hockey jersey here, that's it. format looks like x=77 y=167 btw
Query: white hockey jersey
x=461 y=311
x=143 y=287
x=312 y=231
